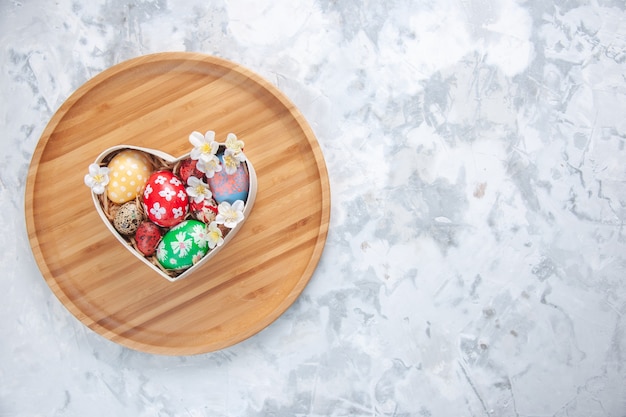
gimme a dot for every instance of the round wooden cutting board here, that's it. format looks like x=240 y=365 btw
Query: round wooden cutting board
x=156 y=101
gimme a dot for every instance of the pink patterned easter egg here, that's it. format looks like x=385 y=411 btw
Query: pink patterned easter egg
x=231 y=187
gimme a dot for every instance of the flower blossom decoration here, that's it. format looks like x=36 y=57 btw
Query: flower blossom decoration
x=198 y=190
x=204 y=146
x=205 y=153
x=209 y=167
x=215 y=236
x=232 y=161
x=233 y=156
x=235 y=145
x=229 y=215
x=97 y=179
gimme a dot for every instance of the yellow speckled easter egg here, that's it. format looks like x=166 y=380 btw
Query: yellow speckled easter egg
x=128 y=172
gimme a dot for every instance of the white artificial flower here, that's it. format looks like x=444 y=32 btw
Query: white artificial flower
x=198 y=190
x=236 y=146
x=231 y=161
x=209 y=167
x=215 y=236
x=204 y=146
x=97 y=179
x=230 y=215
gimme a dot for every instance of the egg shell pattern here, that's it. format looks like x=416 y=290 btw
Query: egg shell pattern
x=165 y=199
x=147 y=237
x=183 y=245
x=232 y=187
x=205 y=211
x=127 y=218
x=188 y=169
x=128 y=172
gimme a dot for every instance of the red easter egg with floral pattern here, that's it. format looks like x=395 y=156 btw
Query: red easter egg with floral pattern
x=165 y=200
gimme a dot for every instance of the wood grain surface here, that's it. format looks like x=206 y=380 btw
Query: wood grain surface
x=155 y=101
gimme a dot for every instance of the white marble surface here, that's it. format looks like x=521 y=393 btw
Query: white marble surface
x=476 y=260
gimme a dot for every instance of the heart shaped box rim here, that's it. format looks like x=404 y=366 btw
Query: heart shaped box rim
x=171 y=159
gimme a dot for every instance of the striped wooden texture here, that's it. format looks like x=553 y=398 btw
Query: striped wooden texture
x=155 y=101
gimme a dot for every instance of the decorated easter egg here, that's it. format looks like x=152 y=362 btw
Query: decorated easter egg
x=127 y=218
x=147 y=237
x=188 y=169
x=128 y=172
x=230 y=187
x=205 y=211
x=183 y=245
x=165 y=199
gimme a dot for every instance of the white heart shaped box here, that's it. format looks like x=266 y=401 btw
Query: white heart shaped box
x=172 y=160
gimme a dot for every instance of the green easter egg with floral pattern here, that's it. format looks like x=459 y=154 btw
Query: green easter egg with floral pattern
x=183 y=245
